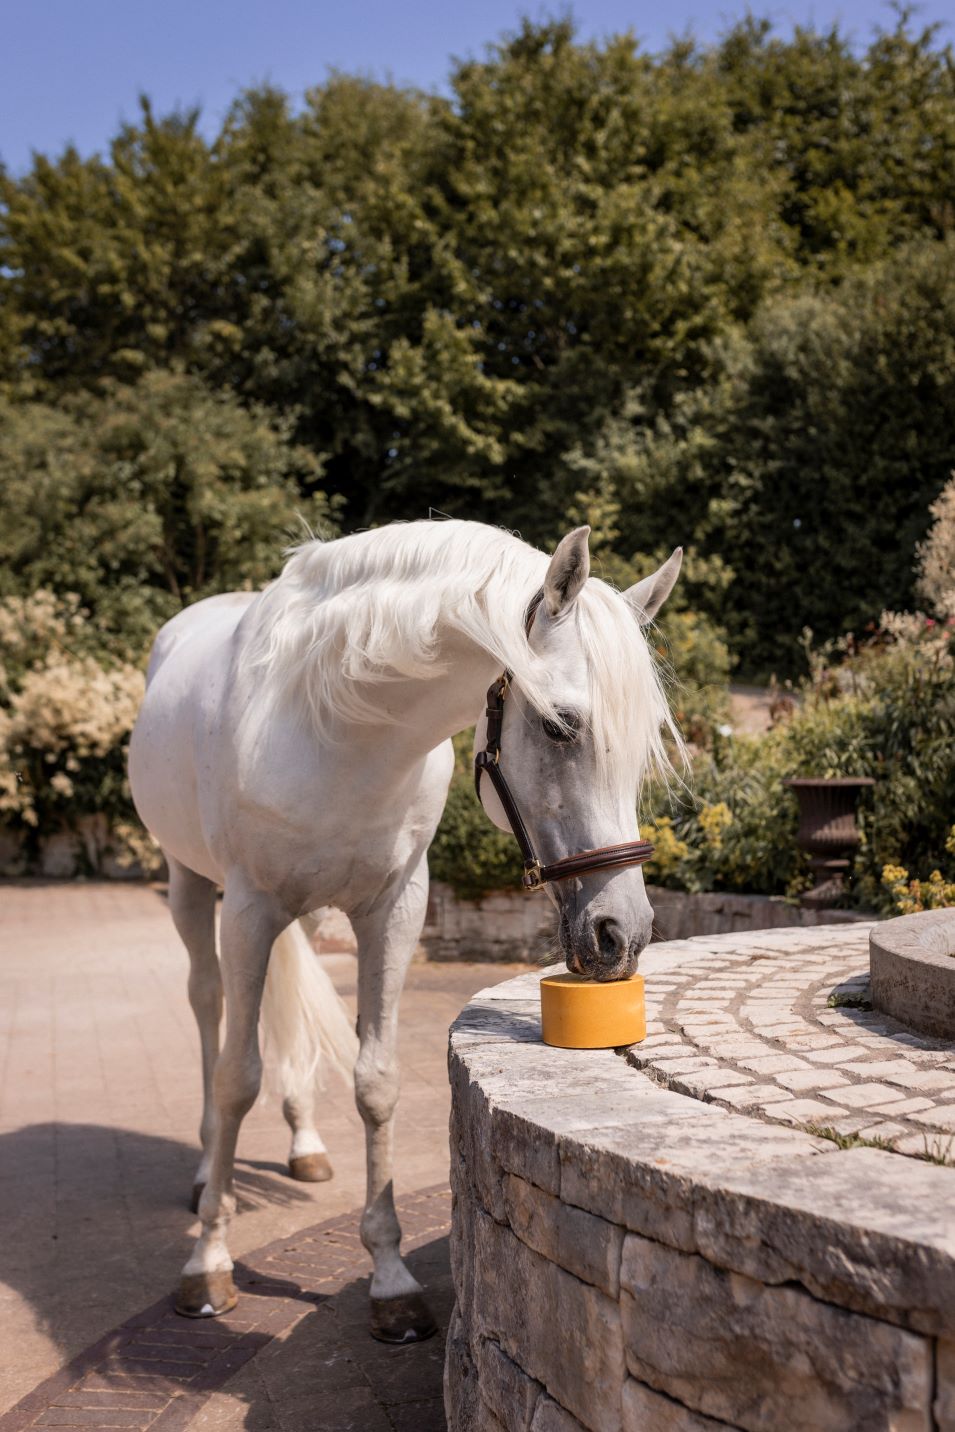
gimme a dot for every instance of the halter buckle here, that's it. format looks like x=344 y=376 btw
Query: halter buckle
x=531 y=879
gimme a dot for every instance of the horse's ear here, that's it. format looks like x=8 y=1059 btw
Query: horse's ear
x=648 y=596
x=568 y=571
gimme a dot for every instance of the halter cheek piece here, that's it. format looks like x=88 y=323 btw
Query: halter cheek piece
x=536 y=875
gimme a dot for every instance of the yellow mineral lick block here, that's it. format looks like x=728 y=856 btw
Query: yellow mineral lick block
x=578 y=1013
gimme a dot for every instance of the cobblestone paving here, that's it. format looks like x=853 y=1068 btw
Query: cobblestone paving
x=778 y=1024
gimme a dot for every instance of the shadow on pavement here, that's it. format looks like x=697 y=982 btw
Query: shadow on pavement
x=96 y=1221
x=329 y=1375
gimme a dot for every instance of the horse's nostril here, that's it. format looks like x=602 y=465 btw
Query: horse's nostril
x=610 y=940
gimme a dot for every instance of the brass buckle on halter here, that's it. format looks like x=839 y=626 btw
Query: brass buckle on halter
x=531 y=879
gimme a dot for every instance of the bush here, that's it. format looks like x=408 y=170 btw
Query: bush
x=695 y=650
x=65 y=719
x=910 y=896
x=885 y=710
x=937 y=555
x=468 y=852
x=145 y=498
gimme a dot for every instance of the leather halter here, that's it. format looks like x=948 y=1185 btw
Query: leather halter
x=537 y=876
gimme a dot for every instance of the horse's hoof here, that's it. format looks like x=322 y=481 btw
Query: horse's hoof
x=311 y=1168
x=196 y=1195
x=206 y=1295
x=402 y=1320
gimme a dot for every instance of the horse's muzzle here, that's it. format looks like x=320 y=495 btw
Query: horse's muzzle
x=601 y=947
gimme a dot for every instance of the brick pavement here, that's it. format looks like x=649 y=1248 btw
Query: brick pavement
x=778 y=1024
x=99 y=1103
x=302 y=1314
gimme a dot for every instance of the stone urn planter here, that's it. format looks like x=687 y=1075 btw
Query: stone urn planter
x=828 y=831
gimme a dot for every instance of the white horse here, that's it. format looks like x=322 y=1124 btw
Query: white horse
x=293 y=748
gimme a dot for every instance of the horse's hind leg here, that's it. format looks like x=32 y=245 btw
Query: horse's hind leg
x=251 y=922
x=386 y=942
x=192 y=902
x=308 y=1159
x=293 y=1008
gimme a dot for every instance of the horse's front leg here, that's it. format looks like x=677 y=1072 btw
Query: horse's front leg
x=251 y=922
x=386 y=942
x=192 y=901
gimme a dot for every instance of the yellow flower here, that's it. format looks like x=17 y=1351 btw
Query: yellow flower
x=669 y=850
x=713 y=821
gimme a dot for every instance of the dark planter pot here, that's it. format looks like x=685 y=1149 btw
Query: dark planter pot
x=828 y=832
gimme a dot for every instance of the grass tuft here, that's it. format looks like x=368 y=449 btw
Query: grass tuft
x=939 y=1152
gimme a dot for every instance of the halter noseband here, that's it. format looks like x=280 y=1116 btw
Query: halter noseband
x=536 y=875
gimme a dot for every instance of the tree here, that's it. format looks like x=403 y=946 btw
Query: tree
x=589 y=275
x=808 y=465
x=146 y=498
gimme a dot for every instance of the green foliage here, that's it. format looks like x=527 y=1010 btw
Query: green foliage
x=704 y=297
x=147 y=497
x=468 y=852
x=809 y=463
x=696 y=652
x=712 y=286
x=734 y=825
x=844 y=420
x=887 y=710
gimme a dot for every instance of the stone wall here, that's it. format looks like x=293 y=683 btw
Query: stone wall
x=678 y=915
x=630 y=1259
x=508 y=925
x=69 y=853
x=505 y=925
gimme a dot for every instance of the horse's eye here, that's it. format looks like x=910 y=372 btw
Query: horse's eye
x=564 y=731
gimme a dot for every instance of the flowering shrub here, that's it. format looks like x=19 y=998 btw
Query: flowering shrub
x=910 y=896
x=731 y=825
x=937 y=555
x=65 y=718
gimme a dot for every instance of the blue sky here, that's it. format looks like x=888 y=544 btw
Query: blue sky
x=71 y=69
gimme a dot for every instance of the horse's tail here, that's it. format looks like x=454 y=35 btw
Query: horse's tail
x=305 y=1026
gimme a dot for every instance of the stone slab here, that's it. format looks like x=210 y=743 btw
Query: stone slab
x=587 y=1246
x=587 y=1377
x=765 y=1358
x=647 y=1411
x=913 y=971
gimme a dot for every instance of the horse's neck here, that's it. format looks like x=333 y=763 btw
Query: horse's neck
x=423 y=713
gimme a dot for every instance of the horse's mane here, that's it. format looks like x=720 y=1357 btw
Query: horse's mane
x=348 y=615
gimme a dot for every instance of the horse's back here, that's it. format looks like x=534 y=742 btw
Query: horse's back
x=211 y=620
